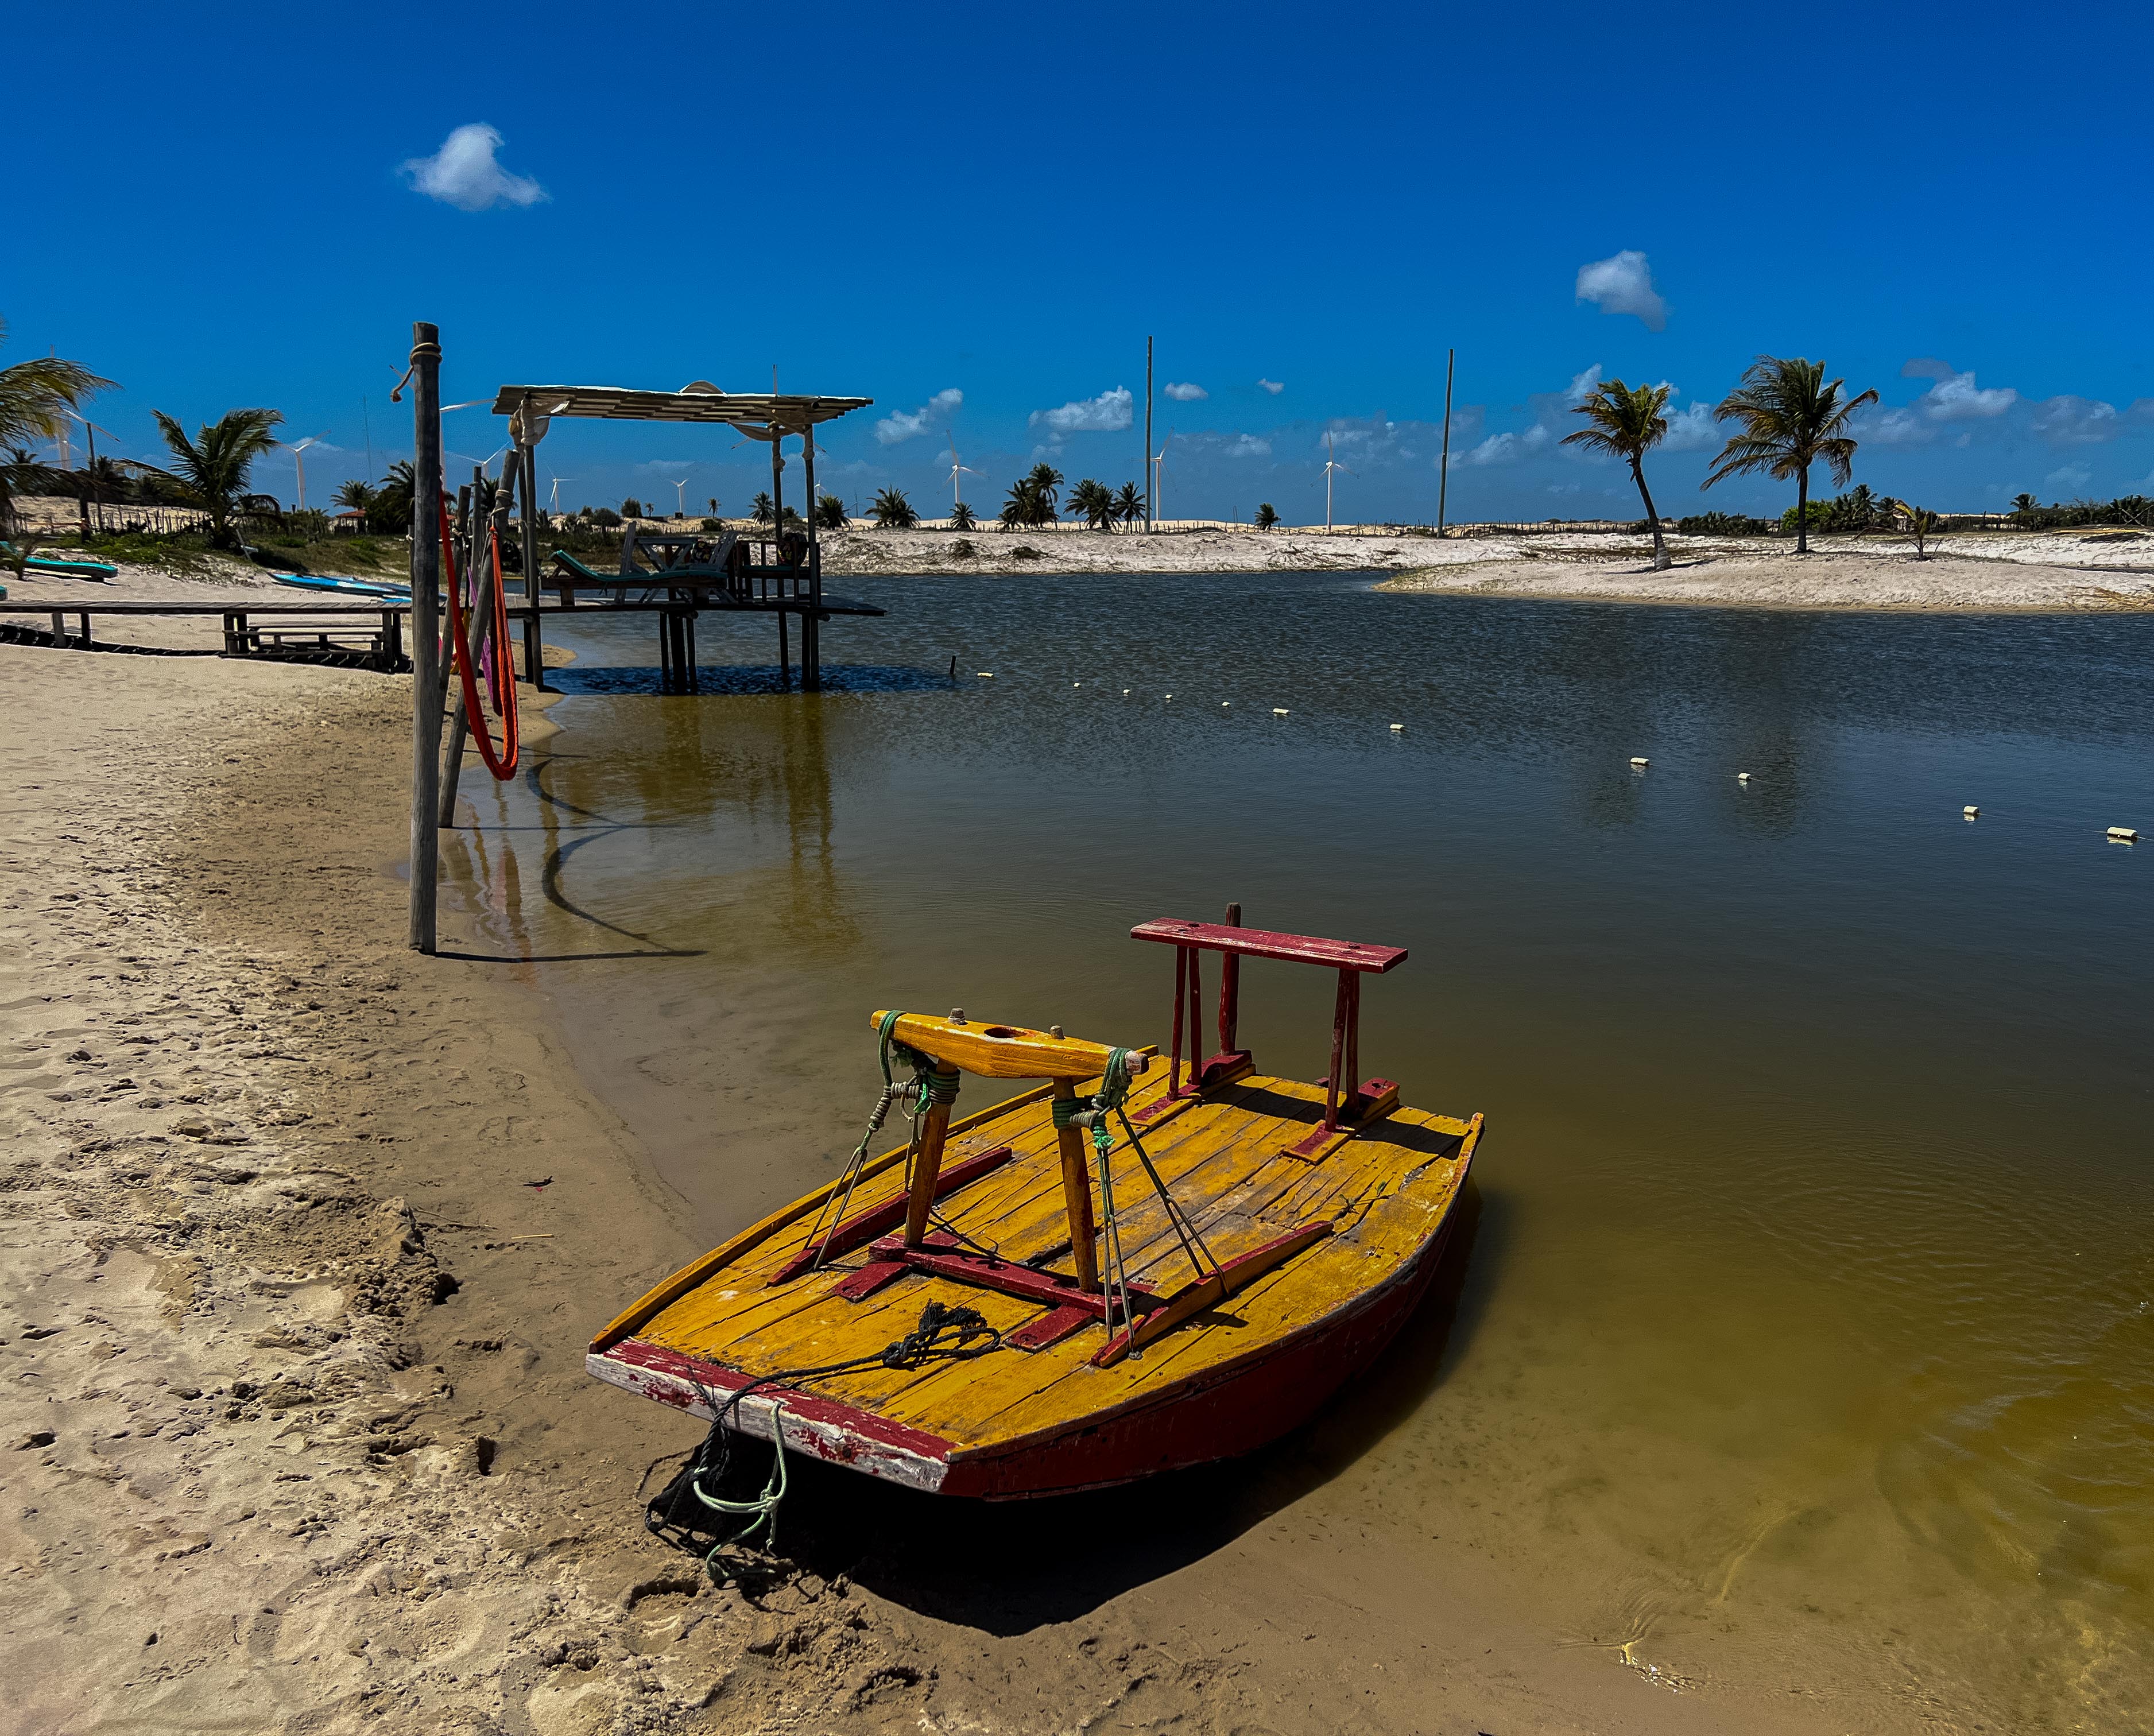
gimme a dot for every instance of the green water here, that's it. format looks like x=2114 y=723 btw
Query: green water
x=1801 y=1330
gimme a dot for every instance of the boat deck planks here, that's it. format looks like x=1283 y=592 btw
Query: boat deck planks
x=1386 y=1190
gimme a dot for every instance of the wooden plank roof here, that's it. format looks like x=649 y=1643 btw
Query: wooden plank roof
x=787 y=413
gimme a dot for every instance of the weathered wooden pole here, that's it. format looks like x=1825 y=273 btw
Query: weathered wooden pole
x=1077 y=1195
x=426 y=629
x=927 y=1166
x=777 y=493
x=528 y=434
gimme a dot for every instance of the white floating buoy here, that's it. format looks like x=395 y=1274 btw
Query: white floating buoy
x=1125 y=693
x=1640 y=759
x=986 y=675
x=1076 y=684
x=1396 y=728
x=1278 y=711
x=1225 y=704
x=2123 y=835
x=1743 y=776
x=1970 y=811
x=1170 y=696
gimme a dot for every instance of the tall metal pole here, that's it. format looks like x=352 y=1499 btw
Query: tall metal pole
x=426 y=629
x=1146 y=472
x=1443 y=475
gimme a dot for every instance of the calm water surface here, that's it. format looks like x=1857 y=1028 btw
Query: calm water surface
x=1802 y=1339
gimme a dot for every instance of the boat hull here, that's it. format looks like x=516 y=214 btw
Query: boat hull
x=1228 y=1410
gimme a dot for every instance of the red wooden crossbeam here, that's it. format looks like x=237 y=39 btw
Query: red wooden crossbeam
x=945 y=1257
x=863 y=1227
x=1265 y=943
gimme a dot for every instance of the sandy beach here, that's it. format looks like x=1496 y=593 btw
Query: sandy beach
x=305 y=1236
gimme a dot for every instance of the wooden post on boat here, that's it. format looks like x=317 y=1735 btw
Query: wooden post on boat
x=1077 y=1193
x=925 y=1166
x=425 y=631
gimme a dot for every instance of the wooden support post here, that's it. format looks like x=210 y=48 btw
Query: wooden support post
x=777 y=498
x=1230 y=988
x=1182 y=955
x=784 y=658
x=425 y=631
x=811 y=624
x=925 y=1165
x=534 y=666
x=1077 y=1195
x=1332 y=1088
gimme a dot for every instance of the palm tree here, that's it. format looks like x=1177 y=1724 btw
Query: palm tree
x=35 y=396
x=1047 y=483
x=1921 y=525
x=392 y=501
x=1129 y=503
x=892 y=510
x=829 y=511
x=761 y=509
x=1791 y=419
x=1027 y=504
x=356 y=497
x=1267 y=515
x=211 y=470
x=1095 y=503
x=961 y=519
x=1625 y=423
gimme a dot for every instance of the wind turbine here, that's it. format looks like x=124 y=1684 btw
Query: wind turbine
x=299 y=459
x=554 y=509
x=1331 y=464
x=680 y=499
x=956 y=472
x=1159 y=474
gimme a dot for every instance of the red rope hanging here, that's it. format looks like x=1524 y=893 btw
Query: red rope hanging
x=502 y=763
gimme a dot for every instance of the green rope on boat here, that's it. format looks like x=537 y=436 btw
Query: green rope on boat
x=763 y=1507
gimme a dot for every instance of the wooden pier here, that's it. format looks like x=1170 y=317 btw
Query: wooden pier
x=372 y=636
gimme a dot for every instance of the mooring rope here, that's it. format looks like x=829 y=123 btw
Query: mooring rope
x=944 y=1333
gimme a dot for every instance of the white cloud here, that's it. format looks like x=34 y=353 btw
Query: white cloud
x=1955 y=397
x=908 y=424
x=1185 y=391
x=1107 y=414
x=1624 y=285
x=1692 y=430
x=465 y=174
x=1274 y=386
x=1583 y=385
x=2069 y=479
x=1510 y=448
x=1892 y=427
x=1249 y=446
x=2069 y=421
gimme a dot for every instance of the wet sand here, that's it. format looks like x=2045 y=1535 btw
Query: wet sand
x=293 y=1337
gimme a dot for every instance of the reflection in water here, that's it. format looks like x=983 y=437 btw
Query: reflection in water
x=1804 y=1343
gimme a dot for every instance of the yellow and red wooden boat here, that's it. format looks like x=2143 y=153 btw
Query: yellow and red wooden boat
x=1225 y=1250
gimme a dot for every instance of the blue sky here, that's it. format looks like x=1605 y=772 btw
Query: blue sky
x=985 y=213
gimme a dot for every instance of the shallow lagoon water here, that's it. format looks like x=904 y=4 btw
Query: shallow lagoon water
x=1801 y=1341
